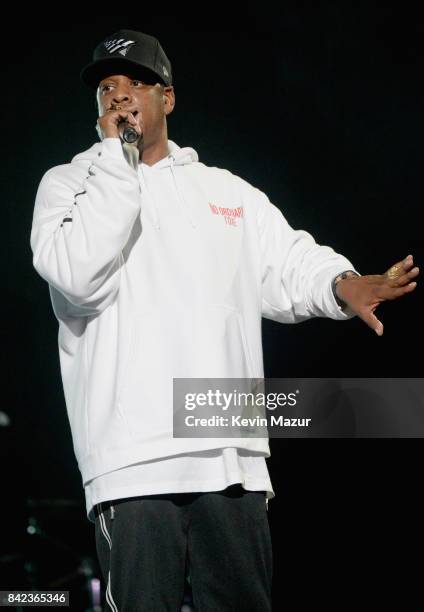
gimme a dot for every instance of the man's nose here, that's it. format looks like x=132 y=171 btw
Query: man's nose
x=122 y=95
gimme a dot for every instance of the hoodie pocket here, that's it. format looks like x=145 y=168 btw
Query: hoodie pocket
x=221 y=348
x=208 y=343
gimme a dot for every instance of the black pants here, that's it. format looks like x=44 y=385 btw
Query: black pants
x=146 y=544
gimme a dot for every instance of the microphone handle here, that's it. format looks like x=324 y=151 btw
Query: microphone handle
x=131 y=155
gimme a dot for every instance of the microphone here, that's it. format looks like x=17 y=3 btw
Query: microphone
x=130 y=135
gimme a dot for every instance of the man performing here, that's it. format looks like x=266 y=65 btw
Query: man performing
x=160 y=267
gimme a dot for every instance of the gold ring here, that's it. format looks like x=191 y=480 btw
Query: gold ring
x=393 y=272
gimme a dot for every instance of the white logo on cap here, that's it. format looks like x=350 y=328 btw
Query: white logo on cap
x=120 y=45
x=165 y=72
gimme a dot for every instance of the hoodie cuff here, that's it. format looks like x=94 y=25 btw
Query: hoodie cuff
x=112 y=147
x=322 y=296
x=344 y=312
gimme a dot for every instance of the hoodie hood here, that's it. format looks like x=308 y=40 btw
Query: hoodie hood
x=177 y=156
x=181 y=155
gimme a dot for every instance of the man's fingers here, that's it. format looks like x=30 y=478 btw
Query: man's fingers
x=408 y=261
x=404 y=279
x=409 y=287
x=410 y=275
x=371 y=320
x=391 y=293
x=399 y=268
x=122 y=115
x=131 y=119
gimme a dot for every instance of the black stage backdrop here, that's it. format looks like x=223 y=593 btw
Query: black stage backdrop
x=320 y=105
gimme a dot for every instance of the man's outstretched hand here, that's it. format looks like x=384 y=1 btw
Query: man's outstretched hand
x=364 y=293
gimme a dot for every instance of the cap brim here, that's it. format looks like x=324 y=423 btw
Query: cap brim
x=93 y=73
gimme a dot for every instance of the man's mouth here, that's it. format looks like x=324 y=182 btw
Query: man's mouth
x=126 y=110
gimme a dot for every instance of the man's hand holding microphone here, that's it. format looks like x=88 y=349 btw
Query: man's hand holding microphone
x=122 y=123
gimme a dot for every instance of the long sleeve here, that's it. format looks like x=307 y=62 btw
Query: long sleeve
x=78 y=233
x=296 y=271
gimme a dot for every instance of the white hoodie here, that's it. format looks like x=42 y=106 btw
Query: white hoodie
x=159 y=274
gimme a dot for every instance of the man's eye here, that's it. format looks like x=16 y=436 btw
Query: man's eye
x=105 y=88
x=137 y=82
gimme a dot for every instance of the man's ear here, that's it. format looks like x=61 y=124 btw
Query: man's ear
x=169 y=99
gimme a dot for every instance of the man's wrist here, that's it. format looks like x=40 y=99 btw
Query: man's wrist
x=336 y=280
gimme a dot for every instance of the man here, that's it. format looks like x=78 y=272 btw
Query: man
x=159 y=268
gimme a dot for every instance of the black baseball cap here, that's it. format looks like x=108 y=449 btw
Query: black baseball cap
x=128 y=50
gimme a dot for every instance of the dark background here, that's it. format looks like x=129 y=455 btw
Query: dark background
x=320 y=105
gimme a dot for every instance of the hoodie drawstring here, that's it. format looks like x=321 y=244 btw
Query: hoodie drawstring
x=184 y=207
